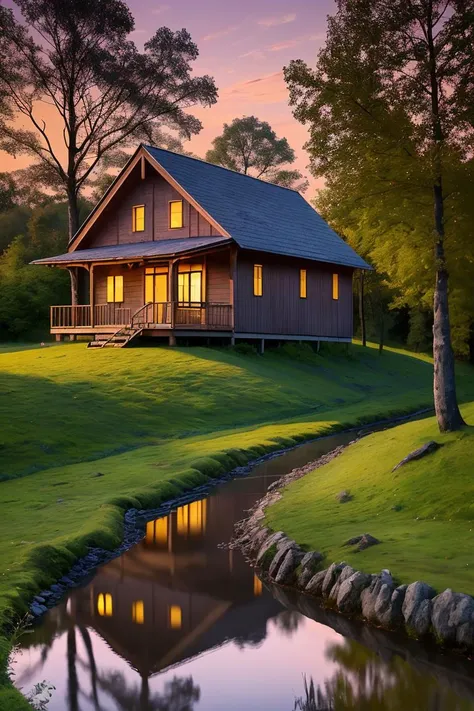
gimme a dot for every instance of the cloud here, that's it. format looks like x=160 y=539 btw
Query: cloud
x=279 y=46
x=220 y=33
x=278 y=20
x=160 y=9
x=255 y=53
x=267 y=89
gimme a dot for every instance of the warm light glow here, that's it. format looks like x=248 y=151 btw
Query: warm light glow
x=175 y=617
x=182 y=519
x=257 y=280
x=176 y=214
x=303 y=283
x=138 y=612
x=114 y=289
x=138 y=218
x=257 y=586
x=104 y=605
x=335 y=287
x=189 y=284
x=157 y=531
x=156 y=285
x=192 y=518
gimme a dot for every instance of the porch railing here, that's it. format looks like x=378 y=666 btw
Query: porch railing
x=166 y=314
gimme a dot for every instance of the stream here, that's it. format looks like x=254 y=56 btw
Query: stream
x=178 y=623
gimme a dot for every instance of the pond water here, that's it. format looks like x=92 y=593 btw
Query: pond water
x=178 y=623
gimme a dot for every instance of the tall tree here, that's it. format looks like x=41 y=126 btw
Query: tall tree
x=251 y=146
x=74 y=58
x=390 y=96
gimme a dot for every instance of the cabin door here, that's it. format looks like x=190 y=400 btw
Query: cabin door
x=156 y=293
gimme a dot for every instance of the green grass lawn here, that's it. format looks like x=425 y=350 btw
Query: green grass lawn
x=423 y=513
x=154 y=421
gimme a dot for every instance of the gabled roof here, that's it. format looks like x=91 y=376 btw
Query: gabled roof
x=258 y=215
x=159 y=248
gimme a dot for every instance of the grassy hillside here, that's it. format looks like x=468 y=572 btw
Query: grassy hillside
x=423 y=513
x=64 y=404
x=154 y=421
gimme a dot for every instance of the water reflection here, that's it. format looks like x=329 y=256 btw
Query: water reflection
x=179 y=623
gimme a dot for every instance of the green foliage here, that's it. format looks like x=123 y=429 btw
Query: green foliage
x=244 y=348
x=418 y=337
x=80 y=55
x=368 y=104
x=251 y=146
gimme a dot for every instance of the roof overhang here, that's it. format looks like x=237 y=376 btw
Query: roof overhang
x=140 y=156
x=140 y=251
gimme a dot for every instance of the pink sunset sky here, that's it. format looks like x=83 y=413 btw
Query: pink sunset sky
x=244 y=45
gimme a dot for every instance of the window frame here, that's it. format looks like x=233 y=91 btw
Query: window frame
x=335 y=286
x=114 y=278
x=183 y=272
x=174 y=202
x=134 y=218
x=303 y=283
x=258 y=280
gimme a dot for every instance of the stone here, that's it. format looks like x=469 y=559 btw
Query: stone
x=348 y=598
x=268 y=544
x=313 y=558
x=451 y=611
x=465 y=636
x=344 y=496
x=427 y=448
x=40 y=599
x=362 y=542
x=346 y=573
x=315 y=585
x=391 y=617
x=421 y=618
x=415 y=594
x=37 y=609
x=308 y=566
x=286 y=571
x=97 y=474
x=303 y=578
x=279 y=558
x=382 y=585
x=332 y=574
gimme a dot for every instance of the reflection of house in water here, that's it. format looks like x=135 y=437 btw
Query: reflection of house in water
x=177 y=594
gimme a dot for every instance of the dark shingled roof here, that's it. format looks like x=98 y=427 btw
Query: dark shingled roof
x=160 y=248
x=258 y=215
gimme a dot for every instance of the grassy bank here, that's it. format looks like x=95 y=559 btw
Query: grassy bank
x=423 y=513
x=154 y=422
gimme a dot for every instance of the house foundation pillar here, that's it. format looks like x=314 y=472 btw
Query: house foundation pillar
x=172 y=339
x=261 y=347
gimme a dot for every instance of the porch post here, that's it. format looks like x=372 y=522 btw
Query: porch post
x=172 y=288
x=91 y=293
x=74 y=298
x=232 y=284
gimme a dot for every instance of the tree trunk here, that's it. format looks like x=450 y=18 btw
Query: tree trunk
x=444 y=385
x=73 y=274
x=362 y=309
x=72 y=213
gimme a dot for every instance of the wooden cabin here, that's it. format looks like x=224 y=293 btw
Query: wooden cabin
x=181 y=247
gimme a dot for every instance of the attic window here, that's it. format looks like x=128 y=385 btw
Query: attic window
x=257 y=280
x=176 y=214
x=335 y=287
x=138 y=218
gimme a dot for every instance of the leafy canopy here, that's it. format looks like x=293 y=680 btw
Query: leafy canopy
x=250 y=146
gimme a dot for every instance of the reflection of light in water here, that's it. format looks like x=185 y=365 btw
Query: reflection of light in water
x=257 y=586
x=104 y=605
x=157 y=531
x=138 y=612
x=192 y=518
x=175 y=617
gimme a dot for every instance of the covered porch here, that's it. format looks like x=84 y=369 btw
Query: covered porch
x=164 y=286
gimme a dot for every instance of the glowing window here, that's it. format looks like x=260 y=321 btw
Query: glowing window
x=138 y=612
x=104 y=605
x=303 y=283
x=156 y=285
x=175 y=617
x=115 y=289
x=257 y=280
x=257 y=586
x=138 y=218
x=182 y=519
x=335 y=287
x=190 y=284
x=176 y=214
x=157 y=531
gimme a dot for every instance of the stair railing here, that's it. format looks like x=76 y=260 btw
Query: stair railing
x=136 y=321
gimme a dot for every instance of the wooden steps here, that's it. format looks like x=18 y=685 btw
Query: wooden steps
x=120 y=339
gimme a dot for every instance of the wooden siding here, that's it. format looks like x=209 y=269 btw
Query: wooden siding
x=114 y=226
x=218 y=278
x=280 y=310
x=133 y=285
